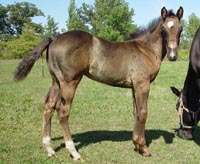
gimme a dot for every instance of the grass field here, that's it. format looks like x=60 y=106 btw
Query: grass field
x=101 y=121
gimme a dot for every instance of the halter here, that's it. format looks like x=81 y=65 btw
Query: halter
x=182 y=108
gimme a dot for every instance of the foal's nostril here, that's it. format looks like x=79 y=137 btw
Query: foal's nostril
x=172 y=58
x=172 y=54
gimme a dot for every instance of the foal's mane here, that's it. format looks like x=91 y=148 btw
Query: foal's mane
x=151 y=25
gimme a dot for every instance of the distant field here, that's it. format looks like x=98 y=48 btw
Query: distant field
x=101 y=121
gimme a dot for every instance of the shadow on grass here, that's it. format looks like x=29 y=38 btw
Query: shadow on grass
x=197 y=135
x=91 y=137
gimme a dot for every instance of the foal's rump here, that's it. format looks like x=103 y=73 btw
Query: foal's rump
x=68 y=55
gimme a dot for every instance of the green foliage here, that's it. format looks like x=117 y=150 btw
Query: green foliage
x=193 y=25
x=112 y=17
x=108 y=19
x=51 y=29
x=21 y=46
x=183 y=38
x=15 y=16
x=75 y=21
x=189 y=30
x=5 y=26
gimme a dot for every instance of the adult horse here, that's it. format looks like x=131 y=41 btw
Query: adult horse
x=130 y=64
x=188 y=104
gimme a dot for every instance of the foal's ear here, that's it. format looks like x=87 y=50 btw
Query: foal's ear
x=175 y=91
x=164 y=13
x=179 y=13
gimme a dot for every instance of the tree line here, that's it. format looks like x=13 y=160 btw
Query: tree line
x=109 y=19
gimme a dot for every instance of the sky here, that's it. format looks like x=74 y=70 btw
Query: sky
x=145 y=10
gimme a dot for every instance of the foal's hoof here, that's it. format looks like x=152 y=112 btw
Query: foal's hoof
x=147 y=154
x=143 y=151
x=52 y=155
x=81 y=160
x=78 y=159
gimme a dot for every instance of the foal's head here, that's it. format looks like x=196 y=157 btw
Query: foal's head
x=171 y=30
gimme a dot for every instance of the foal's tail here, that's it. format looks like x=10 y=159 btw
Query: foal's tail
x=27 y=63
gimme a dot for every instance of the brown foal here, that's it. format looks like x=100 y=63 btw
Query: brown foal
x=129 y=64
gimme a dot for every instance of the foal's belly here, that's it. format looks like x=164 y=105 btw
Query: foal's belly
x=108 y=74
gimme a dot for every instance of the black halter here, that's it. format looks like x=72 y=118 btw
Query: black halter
x=182 y=108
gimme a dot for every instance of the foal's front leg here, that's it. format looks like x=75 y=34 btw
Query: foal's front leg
x=140 y=96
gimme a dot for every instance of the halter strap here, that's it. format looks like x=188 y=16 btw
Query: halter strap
x=180 y=112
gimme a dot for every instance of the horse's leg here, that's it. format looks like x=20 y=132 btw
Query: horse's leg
x=67 y=93
x=49 y=106
x=140 y=96
x=136 y=125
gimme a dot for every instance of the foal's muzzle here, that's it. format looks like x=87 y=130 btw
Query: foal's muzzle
x=172 y=53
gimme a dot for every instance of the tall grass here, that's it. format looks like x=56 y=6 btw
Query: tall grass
x=101 y=121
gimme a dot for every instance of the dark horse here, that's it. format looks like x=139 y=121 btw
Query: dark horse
x=188 y=104
x=129 y=64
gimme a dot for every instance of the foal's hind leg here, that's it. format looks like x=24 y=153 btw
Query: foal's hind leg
x=49 y=106
x=67 y=93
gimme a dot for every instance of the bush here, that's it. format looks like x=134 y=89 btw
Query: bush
x=19 y=47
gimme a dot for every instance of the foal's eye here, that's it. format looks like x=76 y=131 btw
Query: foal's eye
x=181 y=29
x=163 y=31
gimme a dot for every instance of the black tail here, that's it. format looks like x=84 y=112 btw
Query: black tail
x=27 y=63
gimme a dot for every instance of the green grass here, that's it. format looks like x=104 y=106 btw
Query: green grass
x=101 y=121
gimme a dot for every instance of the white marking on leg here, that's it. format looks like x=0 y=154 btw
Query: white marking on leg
x=70 y=146
x=46 y=141
x=170 y=24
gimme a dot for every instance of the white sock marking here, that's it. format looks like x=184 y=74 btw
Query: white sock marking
x=46 y=141
x=70 y=146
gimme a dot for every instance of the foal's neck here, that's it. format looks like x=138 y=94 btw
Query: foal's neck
x=157 y=41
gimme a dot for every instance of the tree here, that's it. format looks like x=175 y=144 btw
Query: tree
x=14 y=17
x=193 y=25
x=111 y=19
x=189 y=31
x=5 y=27
x=51 y=29
x=183 y=38
x=108 y=19
x=75 y=21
